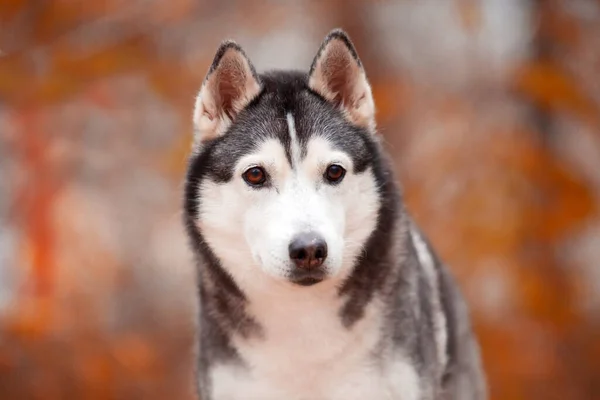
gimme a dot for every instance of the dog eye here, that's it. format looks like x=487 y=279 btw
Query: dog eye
x=335 y=173
x=255 y=176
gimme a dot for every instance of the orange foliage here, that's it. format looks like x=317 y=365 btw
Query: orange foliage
x=555 y=91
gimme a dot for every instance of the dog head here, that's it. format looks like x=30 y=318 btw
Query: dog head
x=283 y=182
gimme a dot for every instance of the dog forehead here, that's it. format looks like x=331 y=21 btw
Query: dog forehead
x=285 y=98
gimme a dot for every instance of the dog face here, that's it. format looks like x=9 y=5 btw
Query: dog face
x=281 y=184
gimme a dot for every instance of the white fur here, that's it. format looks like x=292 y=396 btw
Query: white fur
x=305 y=352
x=439 y=319
x=206 y=126
x=309 y=355
x=295 y=145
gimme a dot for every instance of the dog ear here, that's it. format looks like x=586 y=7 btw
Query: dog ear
x=338 y=75
x=231 y=83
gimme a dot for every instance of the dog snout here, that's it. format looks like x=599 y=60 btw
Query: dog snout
x=308 y=250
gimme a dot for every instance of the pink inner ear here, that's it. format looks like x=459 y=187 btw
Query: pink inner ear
x=231 y=83
x=339 y=72
x=338 y=76
x=228 y=87
x=208 y=114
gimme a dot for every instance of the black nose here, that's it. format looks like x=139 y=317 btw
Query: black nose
x=308 y=250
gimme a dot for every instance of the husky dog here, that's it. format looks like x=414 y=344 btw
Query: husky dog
x=314 y=282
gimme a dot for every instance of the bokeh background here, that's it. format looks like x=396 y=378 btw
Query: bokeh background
x=489 y=107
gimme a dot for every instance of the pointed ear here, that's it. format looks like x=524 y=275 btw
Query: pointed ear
x=338 y=75
x=231 y=83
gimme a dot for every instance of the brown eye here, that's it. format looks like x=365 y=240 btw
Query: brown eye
x=255 y=176
x=335 y=173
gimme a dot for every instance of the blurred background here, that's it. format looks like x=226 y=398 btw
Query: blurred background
x=490 y=109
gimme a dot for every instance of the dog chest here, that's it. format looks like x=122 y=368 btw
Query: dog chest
x=312 y=356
